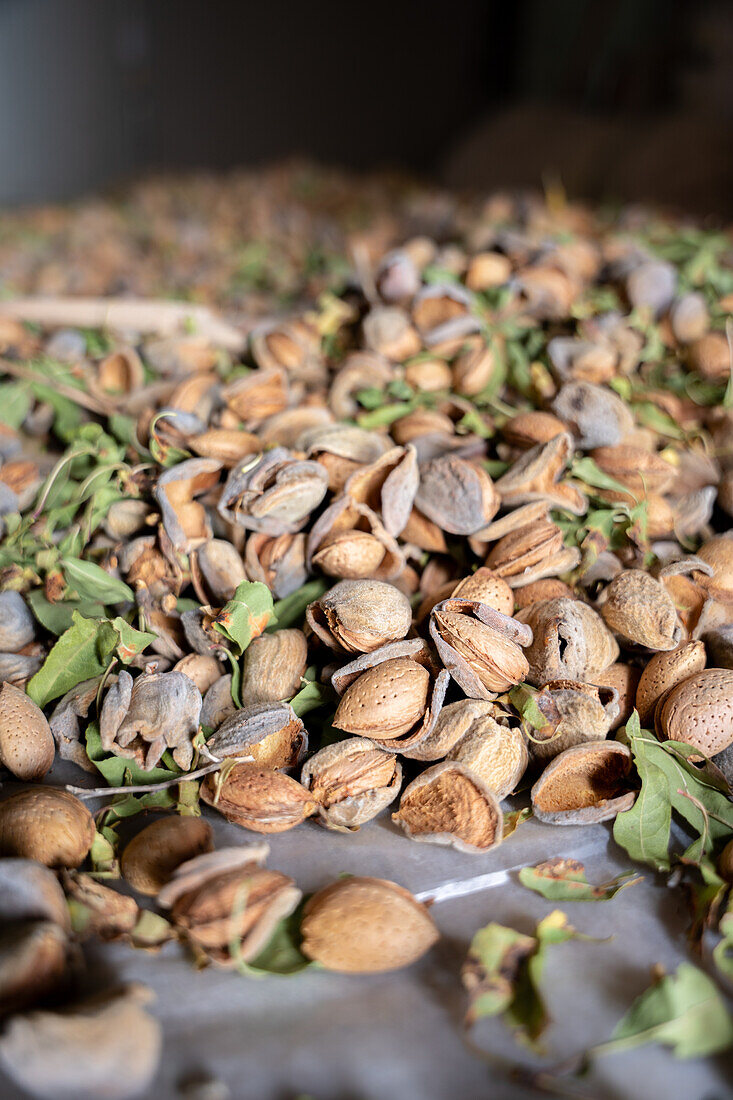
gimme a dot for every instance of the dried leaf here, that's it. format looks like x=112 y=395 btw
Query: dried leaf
x=246 y=615
x=503 y=972
x=564 y=880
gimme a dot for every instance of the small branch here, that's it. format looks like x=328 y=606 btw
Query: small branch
x=142 y=788
x=150 y=316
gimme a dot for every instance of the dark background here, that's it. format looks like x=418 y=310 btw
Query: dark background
x=628 y=100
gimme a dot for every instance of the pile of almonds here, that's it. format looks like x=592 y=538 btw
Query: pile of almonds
x=487 y=483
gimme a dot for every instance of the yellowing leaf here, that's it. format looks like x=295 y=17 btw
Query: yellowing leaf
x=564 y=880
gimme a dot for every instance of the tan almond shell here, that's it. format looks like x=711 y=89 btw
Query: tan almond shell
x=352 y=781
x=34 y=963
x=699 y=711
x=573 y=780
x=260 y=799
x=273 y=666
x=360 y=616
x=479 y=646
x=486 y=587
x=497 y=754
x=454 y=723
x=388 y=699
x=27 y=746
x=588 y=645
x=638 y=607
x=717 y=553
x=152 y=856
x=271 y=733
x=581 y=714
x=624 y=680
x=366 y=925
x=449 y=804
x=663 y=671
x=46 y=824
x=416 y=651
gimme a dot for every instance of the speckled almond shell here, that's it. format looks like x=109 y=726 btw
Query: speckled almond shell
x=260 y=799
x=46 y=824
x=699 y=711
x=559 y=796
x=366 y=925
x=152 y=856
x=450 y=804
x=273 y=666
x=662 y=673
x=26 y=743
x=717 y=553
x=387 y=700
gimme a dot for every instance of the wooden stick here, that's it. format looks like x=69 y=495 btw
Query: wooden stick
x=159 y=316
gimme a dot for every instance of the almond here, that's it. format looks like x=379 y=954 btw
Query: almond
x=366 y=925
x=26 y=743
x=662 y=673
x=386 y=701
x=46 y=824
x=152 y=856
x=699 y=711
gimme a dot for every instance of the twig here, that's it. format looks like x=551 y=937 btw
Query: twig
x=157 y=316
x=143 y=788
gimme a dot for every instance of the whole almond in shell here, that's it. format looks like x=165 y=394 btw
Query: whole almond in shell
x=26 y=743
x=385 y=701
x=46 y=824
x=152 y=856
x=366 y=926
x=661 y=674
x=699 y=711
x=638 y=607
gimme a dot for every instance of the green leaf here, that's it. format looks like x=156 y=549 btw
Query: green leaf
x=282 y=955
x=586 y=470
x=119 y=771
x=385 y=415
x=94 y=583
x=82 y=652
x=683 y=1011
x=246 y=615
x=514 y=818
x=644 y=830
x=503 y=972
x=131 y=641
x=15 y=403
x=723 y=951
x=57 y=617
x=564 y=880
x=290 y=611
x=312 y=694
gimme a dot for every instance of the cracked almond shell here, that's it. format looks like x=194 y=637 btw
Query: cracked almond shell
x=699 y=711
x=27 y=747
x=585 y=784
x=570 y=641
x=257 y=798
x=366 y=926
x=152 y=856
x=450 y=804
x=46 y=824
x=497 y=754
x=386 y=700
x=352 y=781
x=360 y=616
